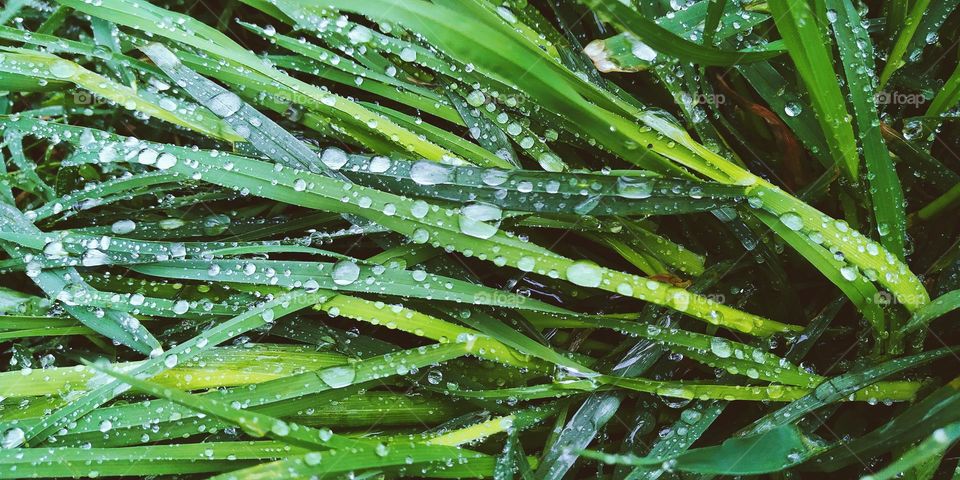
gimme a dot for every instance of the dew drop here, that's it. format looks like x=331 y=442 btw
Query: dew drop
x=338 y=377
x=585 y=273
x=225 y=104
x=345 y=272
x=334 y=158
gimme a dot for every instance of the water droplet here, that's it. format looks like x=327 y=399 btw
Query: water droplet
x=720 y=347
x=360 y=34
x=12 y=438
x=419 y=209
x=585 y=273
x=225 y=104
x=476 y=98
x=643 y=51
x=63 y=69
x=494 y=177
x=334 y=158
x=849 y=272
x=171 y=360
x=94 y=257
x=420 y=236
x=122 y=227
x=279 y=427
x=792 y=221
x=313 y=458
x=426 y=172
x=338 y=377
x=345 y=272
x=634 y=187
x=147 y=156
x=166 y=161
x=473 y=220
x=690 y=416
x=408 y=54
x=181 y=307
x=379 y=164
x=792 y=109
x=526 y=263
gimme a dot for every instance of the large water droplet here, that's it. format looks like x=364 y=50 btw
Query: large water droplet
x=338 y=377
x=279 y=427
x=334 y=158
x=494 y=177
x=792 y=109
x=94 y=257
x=585 y=273
x=476 y=98
x=634 y=187
x=166 y=161
x=225 y=104
x=473 y=220
x=426 y=172
x=12 y=438
x=122 y=227
x=720 y=347
x=345 y=272
x=63 y=69
x=792 y=221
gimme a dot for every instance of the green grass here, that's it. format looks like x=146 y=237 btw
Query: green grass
x=472 y=239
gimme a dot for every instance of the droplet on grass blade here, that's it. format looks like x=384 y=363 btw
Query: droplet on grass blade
x=225 y=104
x=585 y=273
x=345 y=272
x=792 y=221
x=338 y=377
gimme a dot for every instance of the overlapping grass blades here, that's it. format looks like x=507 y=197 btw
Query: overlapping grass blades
x=427 y=238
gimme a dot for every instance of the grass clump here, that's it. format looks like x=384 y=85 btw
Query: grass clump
x=476 y=239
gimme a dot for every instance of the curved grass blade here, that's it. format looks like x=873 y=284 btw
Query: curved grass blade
x=836 y=388
x=770 y=451
x=118 y=326
x=55 y=68
x=362 y=453
x=423 y=223
x=149 y=18
x=103 y=391
x=937 y=308
x=930 y=448
x=856 y=52
x=662 y=40
x=211 y=457
x=947 y=97
x=895 y=58
x=808 y=47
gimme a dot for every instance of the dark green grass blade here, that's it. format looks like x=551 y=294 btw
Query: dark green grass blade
x=771 y=451
x=937 y=308
x=808 y=47
x=662 y=40
x=856 y=52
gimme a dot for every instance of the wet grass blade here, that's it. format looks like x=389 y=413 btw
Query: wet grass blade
x=808 y=47
x=886 y=194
